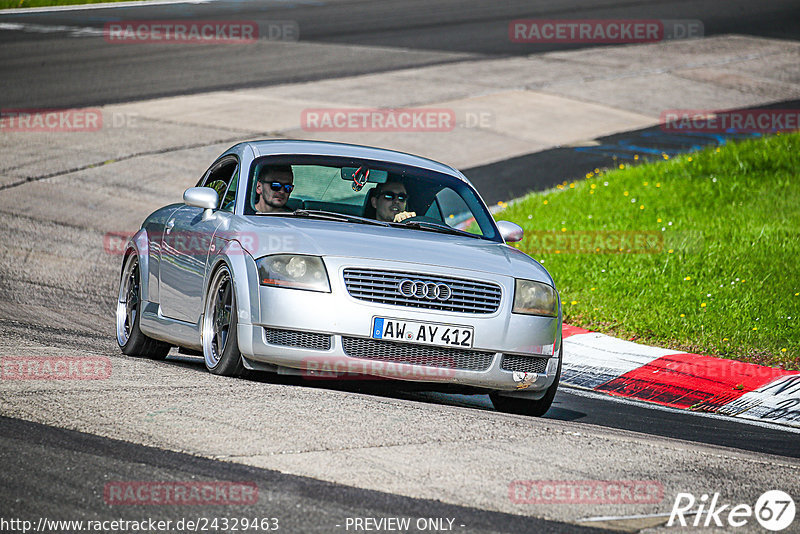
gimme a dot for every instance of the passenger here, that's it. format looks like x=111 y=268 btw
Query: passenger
x=275 y=184
x=389 y=200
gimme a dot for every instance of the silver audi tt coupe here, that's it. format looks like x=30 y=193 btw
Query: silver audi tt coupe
x=332 y=260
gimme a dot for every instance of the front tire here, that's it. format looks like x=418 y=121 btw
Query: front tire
x=130 y=338
x=533 y=408
x=220 y=341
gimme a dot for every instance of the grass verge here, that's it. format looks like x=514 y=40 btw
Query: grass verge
x=19 y=4
x=698 y=252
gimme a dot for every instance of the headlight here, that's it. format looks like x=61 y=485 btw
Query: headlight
x=535 y=298
x=290 y=270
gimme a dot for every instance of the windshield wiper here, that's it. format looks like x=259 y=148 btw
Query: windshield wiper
x=435 y=227
x=332 y=215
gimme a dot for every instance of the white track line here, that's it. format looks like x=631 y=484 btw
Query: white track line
x=108 y=5
x=74 y=31
x=136 y=3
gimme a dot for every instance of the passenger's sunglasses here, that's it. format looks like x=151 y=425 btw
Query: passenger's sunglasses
x=401 y=197
x=277 y=186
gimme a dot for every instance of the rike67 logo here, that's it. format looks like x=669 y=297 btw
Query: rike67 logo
x=774 y=510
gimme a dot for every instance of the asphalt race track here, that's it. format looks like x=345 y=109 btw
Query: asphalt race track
x=52 y=68
x=320 y=453
x=35 y=453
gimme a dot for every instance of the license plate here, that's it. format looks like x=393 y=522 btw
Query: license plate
x=445 y=335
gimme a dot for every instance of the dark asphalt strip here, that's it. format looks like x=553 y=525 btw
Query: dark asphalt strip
x=61 y=474
x=577 y=406
x=515 y=177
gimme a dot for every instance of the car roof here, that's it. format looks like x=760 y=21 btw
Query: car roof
x=325 y=148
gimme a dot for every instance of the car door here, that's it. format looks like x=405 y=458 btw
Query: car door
x=188 y=235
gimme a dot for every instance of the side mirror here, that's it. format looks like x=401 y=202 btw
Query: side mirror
x=202 y=197
x=511 y=232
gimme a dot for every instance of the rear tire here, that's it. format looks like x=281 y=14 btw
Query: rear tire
x=220 y=341
x=534 y=408
x=130 y=338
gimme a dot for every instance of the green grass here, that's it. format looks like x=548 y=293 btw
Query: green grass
x=718 y=271
x=18 y=4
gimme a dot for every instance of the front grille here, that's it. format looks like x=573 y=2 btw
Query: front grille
x=293 y=338
x=468 y=296
x=526 y=364
x=426 y=355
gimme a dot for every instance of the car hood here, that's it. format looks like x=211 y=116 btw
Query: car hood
x=264 y=235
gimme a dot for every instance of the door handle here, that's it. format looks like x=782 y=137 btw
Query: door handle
x=169 y=226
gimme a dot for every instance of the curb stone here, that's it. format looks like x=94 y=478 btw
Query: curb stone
x=601 y=363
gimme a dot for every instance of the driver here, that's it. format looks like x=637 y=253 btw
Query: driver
x=389 y=201
x=275 y=184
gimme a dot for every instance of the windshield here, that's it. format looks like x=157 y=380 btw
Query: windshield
x=365 y=189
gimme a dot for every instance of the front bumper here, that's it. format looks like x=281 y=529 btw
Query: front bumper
x=304 y=320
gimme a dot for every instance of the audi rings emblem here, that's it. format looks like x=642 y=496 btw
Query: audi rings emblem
x=424 y=290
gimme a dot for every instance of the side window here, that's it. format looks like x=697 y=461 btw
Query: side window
x=434 y=212
x=223 y=178
x=455 y=212
x=229 y=200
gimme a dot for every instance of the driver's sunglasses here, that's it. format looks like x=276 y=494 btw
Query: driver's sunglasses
x=277 y=186
x=401 y=197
